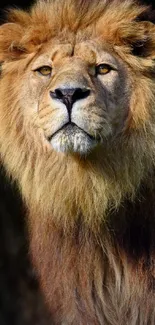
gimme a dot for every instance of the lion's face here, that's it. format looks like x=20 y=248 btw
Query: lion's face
x=77 y=104
x=79 y=94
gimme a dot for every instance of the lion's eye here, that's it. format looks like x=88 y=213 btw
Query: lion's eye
x=45 y=70
x=103 y=69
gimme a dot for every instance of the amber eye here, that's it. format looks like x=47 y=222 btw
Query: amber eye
x=45 y=70
x=103 y=69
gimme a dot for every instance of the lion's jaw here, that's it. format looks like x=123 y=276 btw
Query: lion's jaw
x=72 y=139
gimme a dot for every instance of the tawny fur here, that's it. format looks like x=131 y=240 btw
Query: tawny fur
x=83 y=212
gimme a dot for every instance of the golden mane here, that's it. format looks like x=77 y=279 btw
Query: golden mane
x=121 y=19
x=73 y=202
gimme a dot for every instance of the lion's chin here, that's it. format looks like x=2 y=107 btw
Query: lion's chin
x=72 y=139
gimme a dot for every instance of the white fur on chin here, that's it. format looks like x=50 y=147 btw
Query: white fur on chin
x=75 y=140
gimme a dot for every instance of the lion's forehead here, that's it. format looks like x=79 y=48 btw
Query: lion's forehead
x=90 y=52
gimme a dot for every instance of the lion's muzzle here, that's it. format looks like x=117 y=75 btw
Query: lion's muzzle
x=71 y=137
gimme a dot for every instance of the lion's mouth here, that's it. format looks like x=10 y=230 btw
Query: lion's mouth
x=70 y=138
x=70 y=127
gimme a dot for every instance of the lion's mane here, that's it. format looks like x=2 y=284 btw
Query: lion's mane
x=91 y=220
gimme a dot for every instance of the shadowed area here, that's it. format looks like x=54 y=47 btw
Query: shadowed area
x=20 y=300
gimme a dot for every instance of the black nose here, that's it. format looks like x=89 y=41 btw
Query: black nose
x=69 y=95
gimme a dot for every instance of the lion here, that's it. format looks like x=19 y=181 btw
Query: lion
x=77 y=136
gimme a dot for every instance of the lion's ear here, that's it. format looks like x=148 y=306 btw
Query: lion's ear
x=141 y=39
x=10 y=41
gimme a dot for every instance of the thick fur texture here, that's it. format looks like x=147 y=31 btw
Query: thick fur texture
x=91 y=216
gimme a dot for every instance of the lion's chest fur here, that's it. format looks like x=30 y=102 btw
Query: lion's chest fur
x=100 y=278
x=107 y=278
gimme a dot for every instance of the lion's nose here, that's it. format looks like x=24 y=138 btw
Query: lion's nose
x=69 y=95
